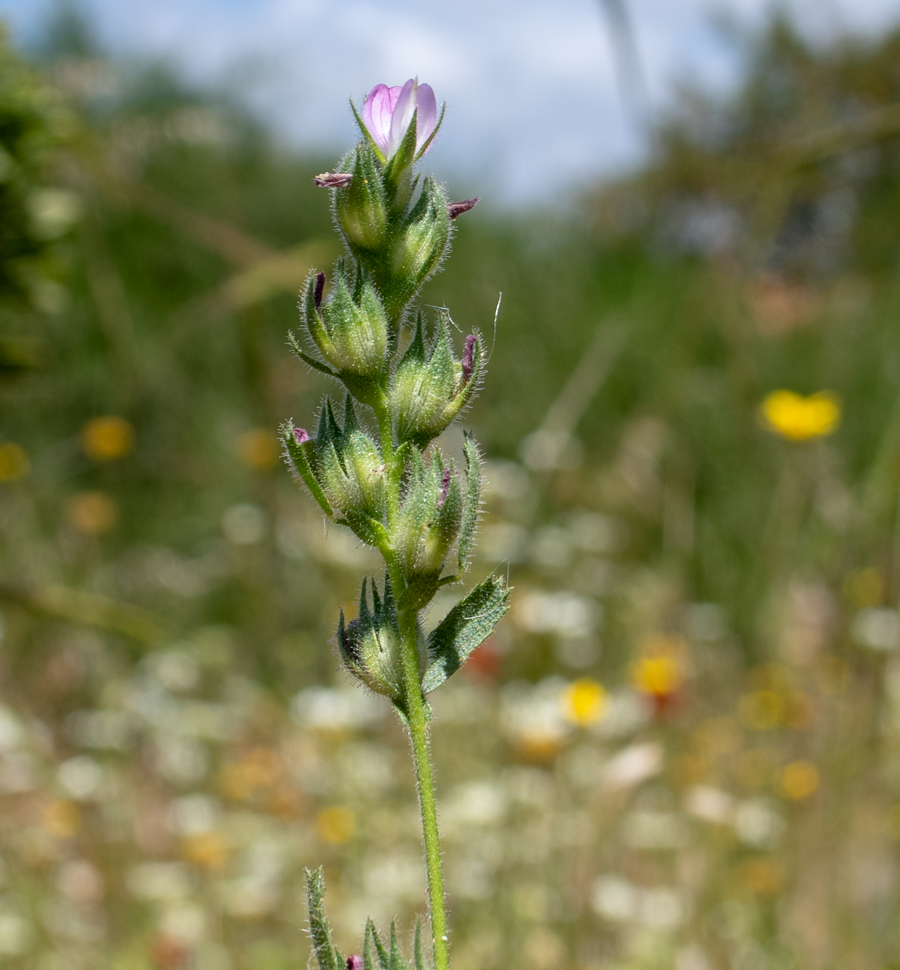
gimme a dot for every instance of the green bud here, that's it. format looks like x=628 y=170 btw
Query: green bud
x=360 y=208
x=431 y=387
x=351 y=331
x=370 y=645
x=344 y=469
x=430 y=519
x=417 y=248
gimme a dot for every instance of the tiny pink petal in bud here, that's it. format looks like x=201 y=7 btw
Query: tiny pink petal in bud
x=333 y=180
x=319 y=290
x=455 y=209
x=445 y=488
x=468 y=358
x=301 y=436
x=354 y=962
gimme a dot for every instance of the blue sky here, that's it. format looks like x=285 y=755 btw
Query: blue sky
x=534 y=103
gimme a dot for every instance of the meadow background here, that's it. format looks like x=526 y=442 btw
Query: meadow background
x=680 y=750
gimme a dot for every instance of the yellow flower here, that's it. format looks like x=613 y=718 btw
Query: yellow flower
x=658 y=676
x=800 y=780
x=763 y=876
x=584 y=702
x=660 y=671
x=13 y=462
x=107 y=438
x=258 y=448
x=762 y=710
x=799 y=418
x=62 y=818
x=336 y=825
x=207 y=850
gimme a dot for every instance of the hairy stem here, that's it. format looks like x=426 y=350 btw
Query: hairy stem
x=418 y=734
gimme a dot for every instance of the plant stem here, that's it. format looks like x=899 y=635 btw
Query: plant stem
x=418 y=734
x=415 y=710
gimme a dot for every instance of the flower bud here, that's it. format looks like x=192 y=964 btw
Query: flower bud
x=419 y=246
x=360 y=207
x=343 y=468
x=430 y=388
x=370 y=645
x=430 y=519
x=351 y=332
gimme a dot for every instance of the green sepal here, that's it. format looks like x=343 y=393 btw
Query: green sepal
x=431 y=137
x=423 y=386
x=417 y=947
x=472 y=503
x=327 y=955
x=370 y=530
x=417 y=246
x=311 y=361
x=465 y=392
x=397 y=960
x=370 y=645
x=372 y=942
x=296 y=456
x=463 y=629
x=360 y=209
x=398 y=174
x=313 y=319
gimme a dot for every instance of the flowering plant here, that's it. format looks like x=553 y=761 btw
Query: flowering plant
x=372 y=466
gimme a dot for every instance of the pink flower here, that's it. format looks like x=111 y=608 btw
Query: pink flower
x=387 y=114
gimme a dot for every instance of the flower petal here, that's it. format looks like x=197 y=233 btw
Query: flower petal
x=377 y=111
x=402 y=116
x=426 y=118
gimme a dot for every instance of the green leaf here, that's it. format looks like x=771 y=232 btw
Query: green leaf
x=463 y=629
x=472 y=502
x=327 y=955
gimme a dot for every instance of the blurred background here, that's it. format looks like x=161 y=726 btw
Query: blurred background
x=680 y=750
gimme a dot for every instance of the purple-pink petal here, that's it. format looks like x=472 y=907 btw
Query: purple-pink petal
x=402 y=116
x=301 y=436
x=377 y=112
x=426 y=118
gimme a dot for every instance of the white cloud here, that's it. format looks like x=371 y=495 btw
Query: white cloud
x=531 y=84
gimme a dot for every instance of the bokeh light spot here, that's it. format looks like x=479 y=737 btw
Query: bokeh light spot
x=107 y=438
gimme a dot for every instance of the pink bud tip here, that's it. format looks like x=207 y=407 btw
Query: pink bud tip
x=468 y=358
x=319 y=290
x=301 y=436
x=333 y=180
x=455 y=209
x=354 y=962
x=445 y=488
